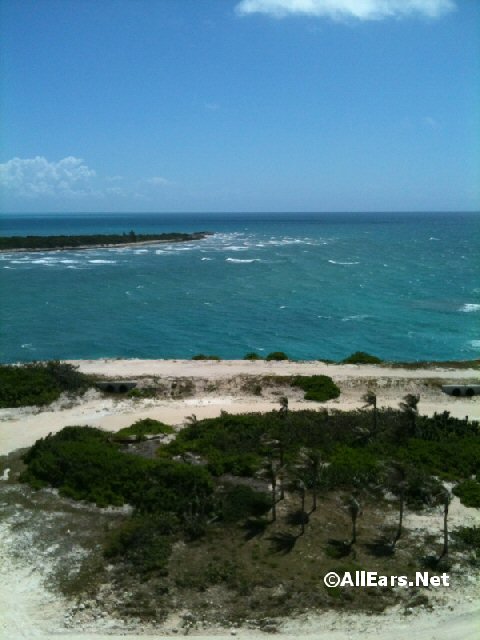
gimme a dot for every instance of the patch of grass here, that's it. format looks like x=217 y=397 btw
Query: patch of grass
x=143 y=392
x=144 y=542
x=317 y=388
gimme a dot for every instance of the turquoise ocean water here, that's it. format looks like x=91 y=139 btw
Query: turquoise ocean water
x=401 y=286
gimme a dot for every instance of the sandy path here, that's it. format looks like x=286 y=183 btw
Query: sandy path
x=229 y=368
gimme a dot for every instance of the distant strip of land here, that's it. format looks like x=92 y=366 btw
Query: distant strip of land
x=95 y=241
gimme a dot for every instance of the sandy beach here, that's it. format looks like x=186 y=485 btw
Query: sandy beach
x=30 y=611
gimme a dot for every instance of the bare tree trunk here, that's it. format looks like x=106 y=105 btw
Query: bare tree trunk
x=302 y=495
x=445 y=529
x=354 y=528
x=400 y=519
x=274 y=498
x=282 y=464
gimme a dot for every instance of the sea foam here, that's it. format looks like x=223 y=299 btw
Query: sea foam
x=470 y=308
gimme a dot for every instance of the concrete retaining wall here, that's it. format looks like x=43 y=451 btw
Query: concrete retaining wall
x=458 y=390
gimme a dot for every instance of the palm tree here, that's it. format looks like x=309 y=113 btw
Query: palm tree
x=447 y=498
x=269 y=472
x=310 y=461
x=353 y=507
x=397 y=480
x=370 y=399
x=409 y=405
x=283 y=406
x=298 y=485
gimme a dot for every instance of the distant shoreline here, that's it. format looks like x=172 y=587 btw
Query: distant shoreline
x=184 y=237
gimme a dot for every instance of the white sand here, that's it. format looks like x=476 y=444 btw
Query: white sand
x=229 y=368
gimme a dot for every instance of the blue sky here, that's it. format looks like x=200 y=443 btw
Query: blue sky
x=229 y=105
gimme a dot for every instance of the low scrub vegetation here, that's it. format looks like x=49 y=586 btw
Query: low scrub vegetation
x=317 y=388
x=360 y=357
x=256 y=500
x=142 y=428
x=277 y=355
x=39 y=383
x=469 y=493
x=64 y=242
x=252 y=356
x=202 y=356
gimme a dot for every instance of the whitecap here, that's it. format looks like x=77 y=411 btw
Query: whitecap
x=470 y=308
x=237 y=260
x=103 y=261
x=475 y=344
x=235 y=248
x=360 y=316
x=282 y=307
x=433 y=238
x=343 y=263
x=206 y=258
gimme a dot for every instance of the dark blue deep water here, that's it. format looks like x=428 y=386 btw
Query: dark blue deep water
x=401 y=286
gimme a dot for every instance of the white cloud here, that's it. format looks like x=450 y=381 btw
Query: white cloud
x=37 y=177
x=212 y=106
x=342 y=9
x=157 y=181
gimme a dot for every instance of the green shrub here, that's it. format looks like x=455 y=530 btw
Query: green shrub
x=469 y=493
x=84 y=464
x=201 y=356
x=143 y=428
x=240 y=502
x=277 y=355
x=39 y=383
x=360 y=357
x=252 y=356
x=317 y=388
x=469 y=537
x=452 y=457
x=349 y=466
